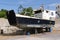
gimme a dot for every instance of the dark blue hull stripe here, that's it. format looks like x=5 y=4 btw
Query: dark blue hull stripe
x=22 y=20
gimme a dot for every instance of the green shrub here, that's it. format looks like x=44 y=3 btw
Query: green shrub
x=3 y=13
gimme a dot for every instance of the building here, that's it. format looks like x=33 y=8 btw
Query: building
x=58 y=10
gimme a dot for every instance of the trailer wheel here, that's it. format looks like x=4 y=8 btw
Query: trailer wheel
x=27 y=33
x=50 y=29
x=40 y=30
x=46 y=29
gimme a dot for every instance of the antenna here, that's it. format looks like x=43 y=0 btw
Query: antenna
x=42 y=7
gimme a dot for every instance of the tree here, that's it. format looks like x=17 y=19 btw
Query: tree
x=23 y=12
x=27 y=11
x=20 y=8
x=3 y=13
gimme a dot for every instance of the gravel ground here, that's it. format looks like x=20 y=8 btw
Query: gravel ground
x=55 y=35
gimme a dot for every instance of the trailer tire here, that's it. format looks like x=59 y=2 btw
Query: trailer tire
x=50 y=29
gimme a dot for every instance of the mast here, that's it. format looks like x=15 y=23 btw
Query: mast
x=42 y=7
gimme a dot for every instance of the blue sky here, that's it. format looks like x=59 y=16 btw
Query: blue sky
x=35 y=4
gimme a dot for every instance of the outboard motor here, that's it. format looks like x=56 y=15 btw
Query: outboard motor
x=11 y=17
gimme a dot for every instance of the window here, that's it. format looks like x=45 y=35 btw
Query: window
x=38 y=11
x=47 y=11
x=55 y=12
x=52 y=13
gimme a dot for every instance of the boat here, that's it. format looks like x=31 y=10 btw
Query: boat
x=27 y=21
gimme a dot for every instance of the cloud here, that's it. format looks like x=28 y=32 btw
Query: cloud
x=21 y=2
x=25 y=2
x=54 y=4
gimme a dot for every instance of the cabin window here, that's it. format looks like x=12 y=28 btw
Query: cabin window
x=47 y=11
x=52 y=13
x=55 y=12
x=38 y=11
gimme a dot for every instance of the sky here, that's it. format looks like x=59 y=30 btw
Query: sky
x=35 y=4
